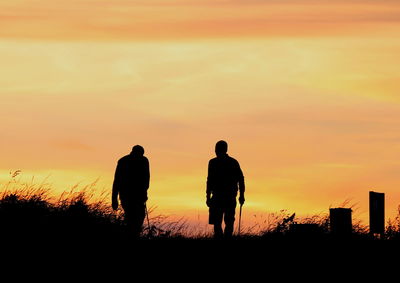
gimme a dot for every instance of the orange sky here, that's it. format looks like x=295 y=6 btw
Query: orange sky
x=305 y=93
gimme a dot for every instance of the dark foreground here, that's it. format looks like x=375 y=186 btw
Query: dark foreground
x=74 y=237
x=196 y=260
x=251 y=259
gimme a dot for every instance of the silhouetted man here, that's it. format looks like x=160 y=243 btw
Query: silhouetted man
x=224 y=180
x=131 y=182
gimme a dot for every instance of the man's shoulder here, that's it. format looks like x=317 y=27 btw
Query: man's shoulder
x=224 y=159
x=128 y=158
x=124 y=159
x=232 y=160
x=213 y=160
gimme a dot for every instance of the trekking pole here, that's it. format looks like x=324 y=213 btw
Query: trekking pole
x=148 y=221
x=240 y=218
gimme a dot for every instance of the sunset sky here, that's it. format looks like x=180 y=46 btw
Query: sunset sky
x=304 y=91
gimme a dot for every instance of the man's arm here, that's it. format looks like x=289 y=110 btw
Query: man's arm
x=241 y=184
x=210 y=181
x=115 y=188
x=146 y=177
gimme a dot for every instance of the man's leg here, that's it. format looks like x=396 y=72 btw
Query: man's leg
x=128 y=218
x=134 y=217
x=229 y=218
x=140 y=214
x=218 y=214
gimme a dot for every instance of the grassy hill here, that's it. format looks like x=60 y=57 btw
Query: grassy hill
x=34 y=213
x=38 y=231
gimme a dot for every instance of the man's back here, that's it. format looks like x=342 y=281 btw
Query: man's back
x=132 y=177
x=224 y=175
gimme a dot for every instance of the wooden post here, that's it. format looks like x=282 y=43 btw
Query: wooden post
x=340 y=221
x=376 y=213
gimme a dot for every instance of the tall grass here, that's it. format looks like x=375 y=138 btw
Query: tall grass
x=32 y=209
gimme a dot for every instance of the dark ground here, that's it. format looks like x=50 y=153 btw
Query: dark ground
x=78 y=241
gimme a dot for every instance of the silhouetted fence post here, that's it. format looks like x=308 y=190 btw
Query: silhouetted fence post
x=376 y=213
x=340 y=221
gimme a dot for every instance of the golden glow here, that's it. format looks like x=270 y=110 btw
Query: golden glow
x=307 y=98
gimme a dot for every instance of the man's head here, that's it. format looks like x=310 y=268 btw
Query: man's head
x=221 y=148
x=137 y=150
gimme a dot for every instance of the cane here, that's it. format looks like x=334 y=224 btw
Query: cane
x=148 y=221
x=240 y=218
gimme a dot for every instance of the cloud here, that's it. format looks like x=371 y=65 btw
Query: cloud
x=157 y=20
x=71 y=145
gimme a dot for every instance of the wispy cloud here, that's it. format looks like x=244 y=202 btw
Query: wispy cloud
x=71 y=145
x=135 y=20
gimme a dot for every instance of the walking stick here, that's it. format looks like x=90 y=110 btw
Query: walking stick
x=148 y=221
x=240 y=218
